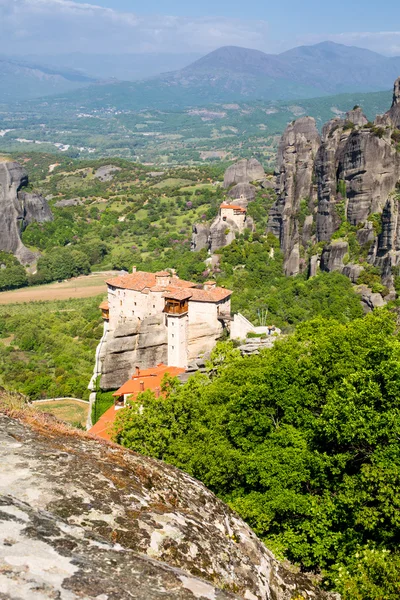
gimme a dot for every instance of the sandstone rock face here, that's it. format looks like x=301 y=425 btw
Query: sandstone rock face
x=222 y=233
x=333 y=255
x=17 y=210
x=243 y=193
x=133 y=343
x=351 y=175
x=106 y=173
x=86 y=519
x=394 y=112
x=369 y=299
x=68 y=202
x=357 y=117
x=295 y=167
x=244 y=171
x=200 y=237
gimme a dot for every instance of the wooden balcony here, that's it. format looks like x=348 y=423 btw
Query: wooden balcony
x=176 y=307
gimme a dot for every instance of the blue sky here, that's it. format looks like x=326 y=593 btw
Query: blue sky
x=178 y=26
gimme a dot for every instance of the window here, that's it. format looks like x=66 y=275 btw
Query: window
x=134 y=303
x=120 y=302
x=154 y=305
x=173 y=347
x=133 y=312
x=173 y=335
x=173 y=324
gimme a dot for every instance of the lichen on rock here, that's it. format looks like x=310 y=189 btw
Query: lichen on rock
x=83 y=518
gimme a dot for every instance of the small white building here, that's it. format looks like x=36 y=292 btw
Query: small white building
x=235 y=214
x=193 y=315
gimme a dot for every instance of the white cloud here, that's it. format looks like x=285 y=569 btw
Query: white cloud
x=56 y=26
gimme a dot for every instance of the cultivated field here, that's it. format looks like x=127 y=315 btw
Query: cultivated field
x=85 y=286
x=66 y=410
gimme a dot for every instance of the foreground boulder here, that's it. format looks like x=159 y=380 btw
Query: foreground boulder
x=84 y=519
x=18 y=209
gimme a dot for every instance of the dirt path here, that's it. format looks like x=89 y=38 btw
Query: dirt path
x=79 y=287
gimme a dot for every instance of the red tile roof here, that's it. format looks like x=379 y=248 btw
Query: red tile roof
x=213 y=295
x=163 y=274
x=104 y=425
x=233 y=207
x=149 y=379
x=178 y=294
x=104 y=305
x=141 y=280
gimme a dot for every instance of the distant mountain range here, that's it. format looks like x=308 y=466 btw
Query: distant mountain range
x=124 y=67
x=225 y=75
x=22 y=80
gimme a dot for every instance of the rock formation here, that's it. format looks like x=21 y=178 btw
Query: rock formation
x=68 y=202
x=221 y=232
x=244 y=171
x=133 y=343
x=106 y=173
x=17 y=210
x=80 y=518
x=394 y=112
x=349 y=175
x=200 y=236
x=295 y=167
x=243 y=193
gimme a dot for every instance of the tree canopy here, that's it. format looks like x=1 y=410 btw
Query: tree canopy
x=302 y=440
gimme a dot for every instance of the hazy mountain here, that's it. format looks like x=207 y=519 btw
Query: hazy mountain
x=21 y=80
x=335 y=68
x=125 y=67
x=225 y=75
x=239 y=74
x=326 y=68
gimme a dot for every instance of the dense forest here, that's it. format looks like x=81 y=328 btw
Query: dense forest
x=302 y=441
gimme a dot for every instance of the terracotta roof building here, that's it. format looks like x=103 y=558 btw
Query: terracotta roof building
x=142 y=380
x=191 y=315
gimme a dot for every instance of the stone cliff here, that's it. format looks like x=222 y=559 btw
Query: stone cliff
x=344 y=185
x=80 y=518
x=222 y=231
x=18 y=209
x=244 y=171
x=133 y=343
x=295 y=166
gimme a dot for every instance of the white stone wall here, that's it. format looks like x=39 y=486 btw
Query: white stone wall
x=129 y=303
x=240 y=327
x=229 y=215
x=178 y=341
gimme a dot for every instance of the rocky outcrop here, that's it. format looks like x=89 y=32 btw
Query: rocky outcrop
x=68 y=202
x=133 y=343
x=200 y=237
x=243 y=193
x=369 y=299
x=295 y=168
x=223 y=232
x=106 y=173
x=244 y=171
x=333 y=256
x=17 y=210
x=351 y=175
x=394 y=112
x=86 y=519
